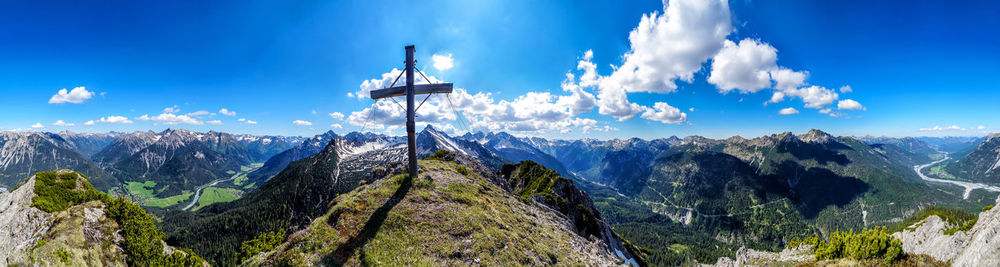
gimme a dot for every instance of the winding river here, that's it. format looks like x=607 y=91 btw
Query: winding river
x=969 y=186
x=197 y=194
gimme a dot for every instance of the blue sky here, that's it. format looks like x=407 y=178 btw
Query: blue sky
x=913 y=70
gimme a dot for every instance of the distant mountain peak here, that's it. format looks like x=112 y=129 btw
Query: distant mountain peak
x=993 y=135
x=816 y=136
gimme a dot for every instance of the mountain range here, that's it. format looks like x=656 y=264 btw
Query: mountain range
x=711 y=196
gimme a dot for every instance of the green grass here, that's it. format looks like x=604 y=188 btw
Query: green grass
x=240 y=180
x=169 y=201
x=141 y=190
x=246 y=168
x=212 y=195
x=57 y=192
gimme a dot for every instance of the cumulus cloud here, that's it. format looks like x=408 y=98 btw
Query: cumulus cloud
x=940 y=129
x=662 y=112
x=62 y=123
x=302 y=123
x=37 y=125
x=171 y=119
x=814 y=96
x=664 y=48
x=76 y=96
x=788 y=111
x=214 y=122
x=109 y=120
x=171 y=109
x=849 y=104
x=981 y=127
x=745 y=66
x=443 y=62
x=337 y=115
x=246 y=121
x=337 y=126
x=786 y=79
x=846 y=89
x=227 y=112
x=532 y=111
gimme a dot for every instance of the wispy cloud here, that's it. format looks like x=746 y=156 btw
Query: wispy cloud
x=939 y=128
x=788 y=111
x=110 y=120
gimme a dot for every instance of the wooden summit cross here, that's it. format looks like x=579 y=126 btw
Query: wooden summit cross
x=409 y=90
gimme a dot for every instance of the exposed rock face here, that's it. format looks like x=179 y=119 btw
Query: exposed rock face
x=976 y=247
x=21 y=226
x=750 y=257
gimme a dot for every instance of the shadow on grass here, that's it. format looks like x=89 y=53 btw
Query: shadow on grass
x=358 y=241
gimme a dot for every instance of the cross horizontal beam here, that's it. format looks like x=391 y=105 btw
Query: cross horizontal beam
x=418 y=89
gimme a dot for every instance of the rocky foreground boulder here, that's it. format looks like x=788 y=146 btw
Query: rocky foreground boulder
x=978 y=246
x=59 y=219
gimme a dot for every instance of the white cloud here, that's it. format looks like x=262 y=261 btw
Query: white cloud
x=37 y=125
x=532 y=111
x=62 y=123
x=215 y=122
x=786 y=79
x=337 y=115
x=302 y=123
x=171 y=109
x=939 y=129
x=76 y=96
x=981 y=127
x=200 y=113
x=171 y=119
x=776 y=97
x=443 y=62
x=744 y=66
x=814 y=96
x=846 y=89
x=251 y=122
x=336 y=125
x=109 y=120
x=227 y=112
x=665 y=48
x=849 y=104
x=662 y=112
x=788 y=111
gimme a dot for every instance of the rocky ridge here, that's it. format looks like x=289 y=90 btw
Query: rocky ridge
x=974 y=247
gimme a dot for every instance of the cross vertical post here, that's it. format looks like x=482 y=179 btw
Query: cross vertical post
x=411 y=127
x=409 y=90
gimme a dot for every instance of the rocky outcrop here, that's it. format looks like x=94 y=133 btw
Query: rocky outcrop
x=21 y=226
x=975 y=247
x=750 y=257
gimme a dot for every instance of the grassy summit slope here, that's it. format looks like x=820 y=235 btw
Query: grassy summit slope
x=450 y=215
